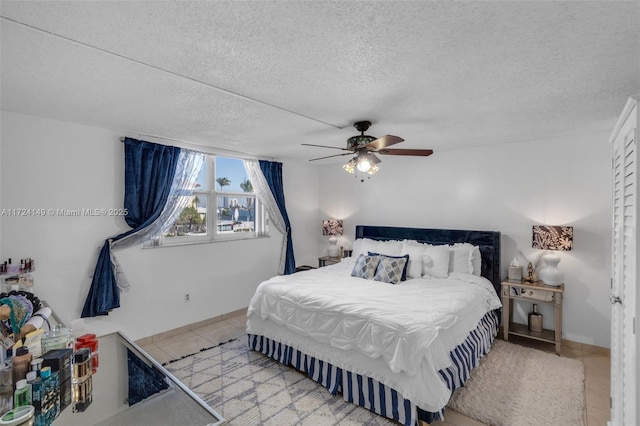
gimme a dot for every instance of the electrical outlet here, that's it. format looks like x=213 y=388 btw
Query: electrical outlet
x=187 y=297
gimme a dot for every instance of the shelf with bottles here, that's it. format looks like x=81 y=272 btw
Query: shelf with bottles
x=24 y=267
x=22 y=282
x=17 y=275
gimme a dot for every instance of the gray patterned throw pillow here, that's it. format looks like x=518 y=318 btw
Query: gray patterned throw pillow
x=390 y=269
x=365 y=266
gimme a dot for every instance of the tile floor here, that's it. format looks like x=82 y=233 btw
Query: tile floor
x=191 y=339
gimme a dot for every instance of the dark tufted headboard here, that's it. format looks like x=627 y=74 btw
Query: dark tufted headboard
x=488 y=241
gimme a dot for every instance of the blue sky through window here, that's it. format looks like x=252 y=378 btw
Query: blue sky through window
x=231 y=168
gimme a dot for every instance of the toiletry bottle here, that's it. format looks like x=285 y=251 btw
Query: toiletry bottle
x=36 y=365
x=48 y=400
x=535 y=319
x=20 y=364
x=22 y=395
x=55 y=386
x=81 y=365
x=36 y=395
x=6 y=388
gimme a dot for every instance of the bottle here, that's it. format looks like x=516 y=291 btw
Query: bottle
x=22 y=395
x=6 y=388
x=48 y=399
x=20 y=364
x=36 y=365
x=36 y=394
x=535 y=319
x=54 y=381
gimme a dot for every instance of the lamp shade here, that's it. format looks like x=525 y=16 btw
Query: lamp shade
x=332 y=227
x=552 y=237
x=557 y=238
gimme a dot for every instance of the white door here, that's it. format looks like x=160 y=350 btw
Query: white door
x=625 y=262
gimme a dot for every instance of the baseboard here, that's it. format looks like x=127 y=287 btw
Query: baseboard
x=586 y=348
x=576 y=346
x=190 y=327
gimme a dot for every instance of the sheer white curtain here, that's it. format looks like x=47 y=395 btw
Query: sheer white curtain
x=264 y=194
x=184 y=182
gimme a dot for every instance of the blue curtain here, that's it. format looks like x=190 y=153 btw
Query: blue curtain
x=272 y=172
x=149 y=171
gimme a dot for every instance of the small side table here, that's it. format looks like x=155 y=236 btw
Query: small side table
x=509 y=327
x=328 y=260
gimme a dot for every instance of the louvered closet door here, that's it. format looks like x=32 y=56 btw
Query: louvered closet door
x=624 y=263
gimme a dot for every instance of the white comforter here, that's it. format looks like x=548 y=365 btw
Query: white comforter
x=401 y=335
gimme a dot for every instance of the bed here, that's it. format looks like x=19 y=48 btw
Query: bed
x=398 y=348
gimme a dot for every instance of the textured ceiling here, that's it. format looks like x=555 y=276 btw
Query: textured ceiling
x=263 y=77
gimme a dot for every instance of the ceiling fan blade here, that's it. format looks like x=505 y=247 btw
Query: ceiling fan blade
x=325 y=146
x=383 y=142
x=331 y=156
x=374 y=158
x=413 y=152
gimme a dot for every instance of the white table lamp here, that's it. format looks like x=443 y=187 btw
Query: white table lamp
x=555 y=238
x=332 y=227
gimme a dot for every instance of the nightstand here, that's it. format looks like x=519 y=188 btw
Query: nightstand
x=511 y=328
x=328 y=260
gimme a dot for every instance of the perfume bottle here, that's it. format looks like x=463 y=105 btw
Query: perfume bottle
x=20 y=364
x=22 y=394
x=535 y=319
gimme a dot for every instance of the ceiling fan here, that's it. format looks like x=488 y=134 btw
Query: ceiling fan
x=365 y=147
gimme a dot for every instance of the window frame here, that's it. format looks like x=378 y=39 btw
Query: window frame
x=211 y=194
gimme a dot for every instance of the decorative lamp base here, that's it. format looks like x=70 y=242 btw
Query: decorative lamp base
x=551 y=275
x=334 y=250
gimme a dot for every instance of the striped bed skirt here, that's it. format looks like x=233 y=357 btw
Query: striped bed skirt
x=373 y=395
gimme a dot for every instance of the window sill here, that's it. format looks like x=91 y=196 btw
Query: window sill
x=192 y=243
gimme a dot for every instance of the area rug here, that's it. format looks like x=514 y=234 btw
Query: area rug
x=248 y=388
x=518 y=386
x=513 y=386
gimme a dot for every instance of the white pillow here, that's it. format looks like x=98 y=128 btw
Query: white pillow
x=416 y=251
x=390 y=248
x=476 y=260
x=356 y=248
x=435 y=261
x=460 y=258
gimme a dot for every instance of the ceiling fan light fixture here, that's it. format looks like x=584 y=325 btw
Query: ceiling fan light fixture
x=350 y=167
x=364 y=162
x=366 y=147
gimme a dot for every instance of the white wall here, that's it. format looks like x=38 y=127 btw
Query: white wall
x=506 y=188
x=301 y=197
x=52 y=164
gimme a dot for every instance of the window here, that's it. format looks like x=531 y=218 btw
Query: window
x=222 y=207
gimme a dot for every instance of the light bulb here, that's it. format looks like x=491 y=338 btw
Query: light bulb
x=363 y=164
x=350 y=166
